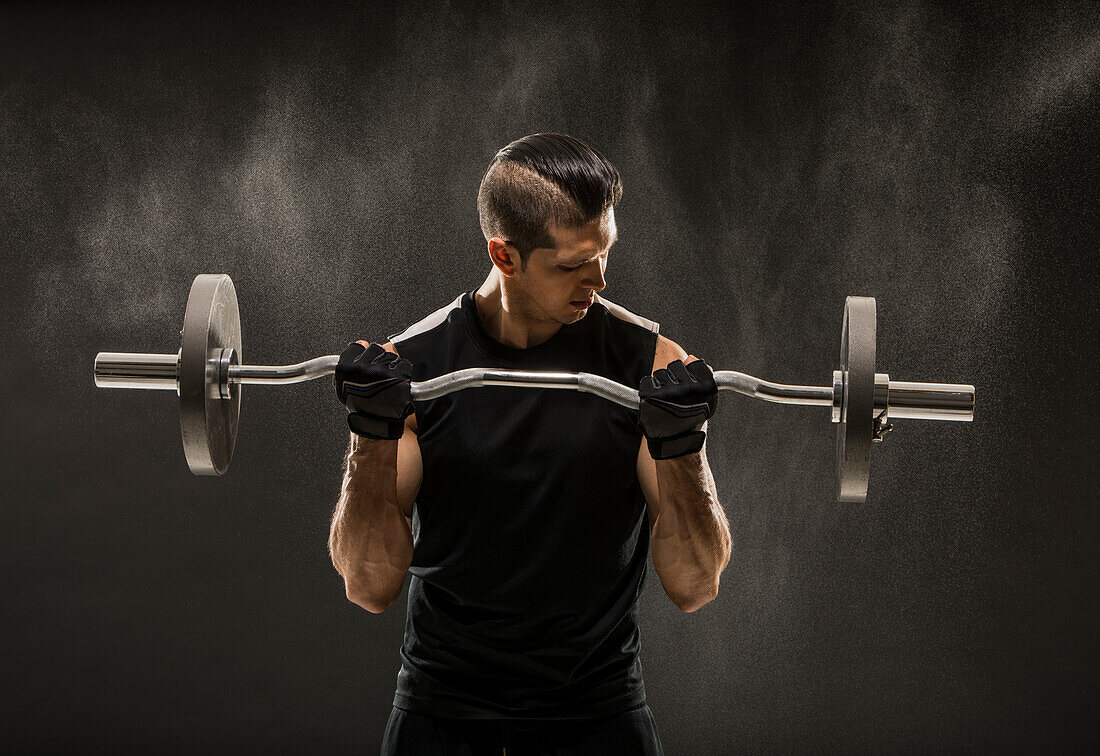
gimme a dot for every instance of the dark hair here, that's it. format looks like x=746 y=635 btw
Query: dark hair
x=543 y=180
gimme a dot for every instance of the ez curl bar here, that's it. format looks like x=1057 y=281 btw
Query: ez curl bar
x=206 y=374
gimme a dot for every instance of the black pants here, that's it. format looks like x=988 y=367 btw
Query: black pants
x=631 y=733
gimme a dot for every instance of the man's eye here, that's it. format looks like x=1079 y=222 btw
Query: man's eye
x=565 y=268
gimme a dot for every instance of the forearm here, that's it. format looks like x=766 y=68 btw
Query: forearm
x=691 y=539
x=370 y=541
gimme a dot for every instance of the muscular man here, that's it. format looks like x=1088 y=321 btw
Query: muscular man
x=524 y=515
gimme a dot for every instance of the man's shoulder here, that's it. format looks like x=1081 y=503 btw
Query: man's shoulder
x=637 y=339
x=667 y=351
x=428 y=323
x=621 y=315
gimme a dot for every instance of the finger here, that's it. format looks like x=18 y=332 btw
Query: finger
x=680 y=372
x=698 y=366
x=383 y=357
x=371 y=353
x=352 y=351
x=365 y=355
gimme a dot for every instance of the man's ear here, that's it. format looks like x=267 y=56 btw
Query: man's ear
x=503 y=256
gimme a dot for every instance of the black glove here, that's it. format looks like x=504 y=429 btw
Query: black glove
x=676 y=401
x=376 y=387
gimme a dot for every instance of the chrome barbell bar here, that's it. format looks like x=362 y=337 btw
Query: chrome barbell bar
x=916 y=401
x=206 y=374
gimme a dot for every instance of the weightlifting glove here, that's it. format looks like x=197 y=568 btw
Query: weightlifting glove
x=376 y=387
x=675 y=402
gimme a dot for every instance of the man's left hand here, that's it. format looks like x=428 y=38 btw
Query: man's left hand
x=675 y=402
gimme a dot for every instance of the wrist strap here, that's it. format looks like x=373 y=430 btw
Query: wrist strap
x=368 y=426
x=676 y=446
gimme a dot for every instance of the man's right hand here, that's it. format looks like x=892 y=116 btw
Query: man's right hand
x=376 y=387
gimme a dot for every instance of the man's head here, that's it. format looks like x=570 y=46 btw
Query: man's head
x=548 y=200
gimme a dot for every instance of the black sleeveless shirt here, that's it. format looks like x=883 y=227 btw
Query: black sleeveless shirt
x=530 y=530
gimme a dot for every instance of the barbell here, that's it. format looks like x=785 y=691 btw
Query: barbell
x=207 y=374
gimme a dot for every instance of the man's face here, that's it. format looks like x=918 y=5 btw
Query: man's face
x=560 y=282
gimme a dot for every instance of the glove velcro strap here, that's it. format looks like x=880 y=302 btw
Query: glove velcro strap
x=366 y=390
x=676 y=446
x=382 y=428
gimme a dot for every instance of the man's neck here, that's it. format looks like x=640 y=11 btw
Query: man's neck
x=505 y=316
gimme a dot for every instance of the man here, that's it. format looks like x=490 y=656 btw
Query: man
x=534 y=508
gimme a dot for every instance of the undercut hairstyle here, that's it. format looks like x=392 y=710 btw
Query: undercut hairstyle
x=544 y=180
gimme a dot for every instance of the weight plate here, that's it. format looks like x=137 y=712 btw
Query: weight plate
x=857 y=366
x=211 y=327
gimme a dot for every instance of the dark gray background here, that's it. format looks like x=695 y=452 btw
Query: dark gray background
x=775 y=159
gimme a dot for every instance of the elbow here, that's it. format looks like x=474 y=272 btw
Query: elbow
x=366 y=599
x=372 y=606
x=697 y=601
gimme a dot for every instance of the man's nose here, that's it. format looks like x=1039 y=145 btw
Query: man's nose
x=594 y=277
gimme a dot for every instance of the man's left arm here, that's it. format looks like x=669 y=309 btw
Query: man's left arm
x=690 y=534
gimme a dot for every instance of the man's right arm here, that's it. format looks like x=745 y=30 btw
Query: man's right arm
x=371 y=536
